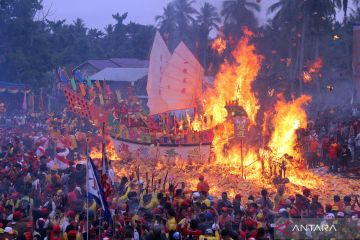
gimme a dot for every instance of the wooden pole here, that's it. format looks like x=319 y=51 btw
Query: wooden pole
x=241 y=158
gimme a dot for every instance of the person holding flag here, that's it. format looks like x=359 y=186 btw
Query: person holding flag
x=95 y=190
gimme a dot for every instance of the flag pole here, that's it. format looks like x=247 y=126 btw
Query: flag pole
x=103 y=171
x=87 y=190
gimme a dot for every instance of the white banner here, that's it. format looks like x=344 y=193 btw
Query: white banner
x=196 y=153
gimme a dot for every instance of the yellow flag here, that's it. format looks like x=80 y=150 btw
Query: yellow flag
x=118 y=95
x=101 y=97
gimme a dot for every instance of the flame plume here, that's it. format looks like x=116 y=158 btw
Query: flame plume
x=288 y=117
x=234 y=81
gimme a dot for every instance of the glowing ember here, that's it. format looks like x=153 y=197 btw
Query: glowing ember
x=316 y=66
x=313 y=69
x=219 y=44
x=307 y=77
x=336 y=37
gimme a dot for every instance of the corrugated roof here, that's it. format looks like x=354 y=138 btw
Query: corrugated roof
x=130 y=62
x=101 y=64
x=14 y=85
x=120 y=74
x=98 y=64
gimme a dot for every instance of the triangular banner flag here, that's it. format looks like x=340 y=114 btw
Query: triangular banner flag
x=73 y=84
x=88 y=81
x=101 y=97
x=118 y=95
x=82 y=89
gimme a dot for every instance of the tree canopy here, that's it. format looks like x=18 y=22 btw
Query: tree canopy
x=296 y=32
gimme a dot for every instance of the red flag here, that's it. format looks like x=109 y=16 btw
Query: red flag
x=105 y=180
x=98 y=85
x=82 y=89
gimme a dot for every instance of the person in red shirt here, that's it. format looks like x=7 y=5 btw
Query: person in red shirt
x=338 y=203
x=191 y=229
x=202 y=186
x=333 y=156
x=313 y=152
x=325 y=144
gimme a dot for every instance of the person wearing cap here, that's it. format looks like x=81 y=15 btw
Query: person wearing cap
x=248 y=229
x=41 y=226
x=202 y=185
x=225 y=216
x=196 y=197
x=20 y=224
x=209 y=234
x=60 y=161
x=176 y=236
x=55 y=234
x=334 y=150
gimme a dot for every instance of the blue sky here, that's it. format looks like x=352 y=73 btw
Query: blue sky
x=97 y=13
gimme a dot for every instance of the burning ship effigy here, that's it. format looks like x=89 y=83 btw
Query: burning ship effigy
x=227 y=123
x=174 y=87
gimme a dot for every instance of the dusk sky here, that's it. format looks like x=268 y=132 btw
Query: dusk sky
x=97 y=13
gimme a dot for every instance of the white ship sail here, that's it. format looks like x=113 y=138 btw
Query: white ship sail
x=159 y=57
x=181 y=82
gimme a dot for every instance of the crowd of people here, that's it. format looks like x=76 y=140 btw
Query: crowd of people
x=44 y=196
x=335 y=144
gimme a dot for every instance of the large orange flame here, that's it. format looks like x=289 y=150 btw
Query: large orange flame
x=288 y=117
x=234 y=82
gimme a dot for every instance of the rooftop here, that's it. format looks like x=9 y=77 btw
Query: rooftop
x=120 y=74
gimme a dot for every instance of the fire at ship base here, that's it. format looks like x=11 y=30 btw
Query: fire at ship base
x=225 y=173
x=228 y=178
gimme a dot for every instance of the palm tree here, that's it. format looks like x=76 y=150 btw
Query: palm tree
x=166 y=21
x=176 y=20
x=287 y=17
x=207 y=19
x=306 y=19
x=167 y=24
x=184 y=12
x=240 y=12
